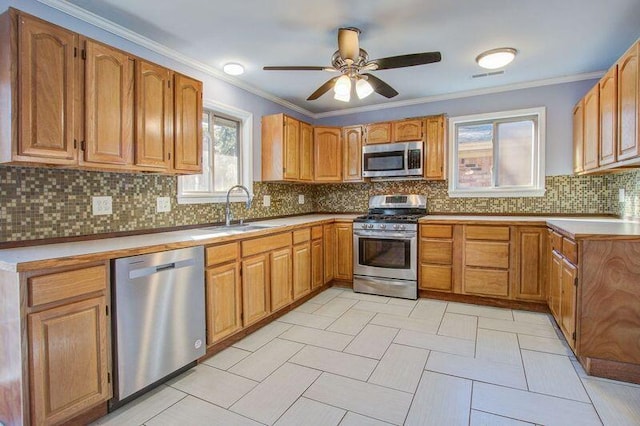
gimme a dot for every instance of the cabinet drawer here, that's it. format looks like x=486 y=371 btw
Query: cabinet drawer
x=493 y=233
x=556 y=241
x=223 y=253
x=485 y=254
x=436 y=231
x=487 y=282
x=435 y=277
x=261 y=245
x=63 y=285
x=570 y=250
x=436 y=251
x=301 y=235
x=316 y=232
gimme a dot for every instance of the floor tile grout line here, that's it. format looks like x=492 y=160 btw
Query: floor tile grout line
x=502 y=415
x=301 y=394
x=413 y=397
x=524 y=368
x=536 y=393
x=382 y=357
x=228 y=408
x=165 y=409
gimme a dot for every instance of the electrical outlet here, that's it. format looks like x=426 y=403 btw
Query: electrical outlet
x=621 y=195
x=163 y=204
x=101 y=205
x=266 y=201
x=300 y=198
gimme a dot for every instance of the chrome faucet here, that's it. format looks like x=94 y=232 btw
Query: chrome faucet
x=227 y=215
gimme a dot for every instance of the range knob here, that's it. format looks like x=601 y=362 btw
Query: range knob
x=396 y=227
x=382 y=226
x=402 y=227
x=368 y=225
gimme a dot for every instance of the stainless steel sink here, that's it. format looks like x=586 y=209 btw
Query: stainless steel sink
x=238 y=228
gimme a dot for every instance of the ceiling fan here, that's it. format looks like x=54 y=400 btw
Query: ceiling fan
x=354 y=64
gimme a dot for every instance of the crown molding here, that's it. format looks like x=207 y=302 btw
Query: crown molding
x=464 y=94
x=129 y=35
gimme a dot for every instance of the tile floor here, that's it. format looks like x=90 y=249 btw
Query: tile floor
x=345 y=358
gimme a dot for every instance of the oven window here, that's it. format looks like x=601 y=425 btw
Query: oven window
x=383 y=253
x=380 y=161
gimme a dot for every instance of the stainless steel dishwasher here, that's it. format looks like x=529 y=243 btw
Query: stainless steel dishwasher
x=159 y=320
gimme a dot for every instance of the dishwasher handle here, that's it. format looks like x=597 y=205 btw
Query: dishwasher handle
x=154 y=269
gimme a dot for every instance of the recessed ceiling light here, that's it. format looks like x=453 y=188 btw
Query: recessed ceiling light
x=233 y=68
x=496 y=58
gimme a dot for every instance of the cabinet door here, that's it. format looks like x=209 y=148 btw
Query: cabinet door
x=306 y=152
x=435 y=148
x=154 y=129
x=223 y=301
x=281 y=285
x=255 y=289
x=301 y=270
x=379 y=133
x=344 y=251
x=531 y=255
x=555 y=285
x=327 y=154
x=568 y=302
x=608 y=116
x=291 y=149
x=352 y=153
x=317 y=270
x=108 y=105
x=591 y=128
x=628 y=104
x=47 y=91
x=188 y=124
x=329 y=240
x=407 y=130
x=578 y=137
x=69 y=360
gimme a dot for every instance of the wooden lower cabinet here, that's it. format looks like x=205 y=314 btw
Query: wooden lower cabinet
x=344 y=251
x=69 y=360
x=435 y=254
x=317 y=263
x=301 y=270
x=280 y=279
x=568 y=302
x=555 y=283
x=329 y=239
x=532 y=263
x=223 y=301
x=255 y=289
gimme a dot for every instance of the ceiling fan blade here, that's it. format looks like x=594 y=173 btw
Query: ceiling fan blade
x=407 y=60
x=323 y=89
x=298 y=68
x=380 y=86
x=348 y=44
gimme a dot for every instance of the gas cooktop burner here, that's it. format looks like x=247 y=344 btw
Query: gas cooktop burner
x=398 y=218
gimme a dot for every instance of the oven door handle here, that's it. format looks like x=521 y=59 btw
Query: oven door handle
x=387 y=236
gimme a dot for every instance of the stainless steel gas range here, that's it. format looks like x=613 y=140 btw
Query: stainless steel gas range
x=385 y=246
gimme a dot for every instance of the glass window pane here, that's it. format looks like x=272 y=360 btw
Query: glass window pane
x=515 y=153
x=475 y=155
x=226 y=153
x=201 y=182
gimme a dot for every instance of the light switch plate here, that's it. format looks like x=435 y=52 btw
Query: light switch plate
x=101 y=205
x=621 y=195
x=266 y=201
x=300 y=198
x=163 y=204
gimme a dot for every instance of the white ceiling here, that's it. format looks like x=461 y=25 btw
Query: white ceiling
x=555 y=38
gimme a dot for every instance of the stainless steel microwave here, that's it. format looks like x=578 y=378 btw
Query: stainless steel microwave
x=402 y=159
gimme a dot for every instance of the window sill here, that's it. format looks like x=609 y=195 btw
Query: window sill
x=498 y=193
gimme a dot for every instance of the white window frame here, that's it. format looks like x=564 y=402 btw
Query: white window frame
x=537 y=188
x=246 y=158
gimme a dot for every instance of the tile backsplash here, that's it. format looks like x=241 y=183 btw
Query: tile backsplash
x=37 y=203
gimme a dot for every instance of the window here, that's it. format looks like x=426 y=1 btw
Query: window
x=497 y=155
x=226 y=156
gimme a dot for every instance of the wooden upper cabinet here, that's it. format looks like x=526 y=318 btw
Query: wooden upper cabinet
x=291 y=148
x=327 y=156
x=187 y=123
x=628 y=145
x=408 y=130
x=591 y=128
x=154 y=117
x=69 y=360
x=379 y=133
x=434 y=162
x=47 y=90
x=352 y=153
x=108 y=105
x=608 y=117
x=578 y=137
x=306 y=152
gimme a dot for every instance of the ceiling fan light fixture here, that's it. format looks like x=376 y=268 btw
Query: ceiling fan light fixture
x=496 y=58
x=363 y=88
x=342 y=86
x=346 y=97
x=233 y=68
